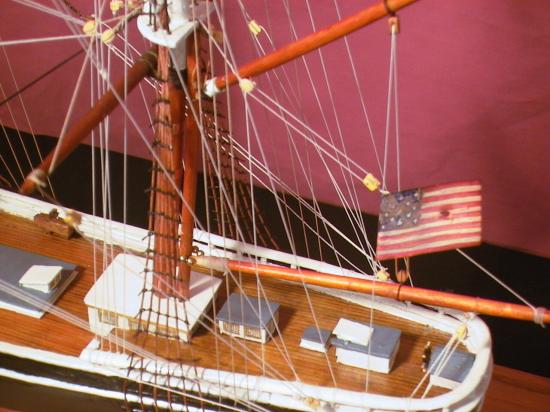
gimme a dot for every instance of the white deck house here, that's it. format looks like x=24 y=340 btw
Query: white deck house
x=114 y=301
x=377 y=354
x=315 y=339
x=248 y=317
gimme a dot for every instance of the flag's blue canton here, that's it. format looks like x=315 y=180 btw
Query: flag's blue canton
x=400 y=210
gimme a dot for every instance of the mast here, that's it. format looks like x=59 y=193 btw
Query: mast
x=165 y=181
x=191 y=157
x=177 y=148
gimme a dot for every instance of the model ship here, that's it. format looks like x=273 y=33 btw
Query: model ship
x=180 y=318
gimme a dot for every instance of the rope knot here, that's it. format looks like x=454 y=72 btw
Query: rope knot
x=538 y=316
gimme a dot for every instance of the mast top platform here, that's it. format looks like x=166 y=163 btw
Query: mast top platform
x=182 y=23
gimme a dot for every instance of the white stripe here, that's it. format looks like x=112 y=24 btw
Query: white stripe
x=437 y=223
x=476 y=198
x=459 y=210
x=451 y=190
x=403 y=239
x=431 y=245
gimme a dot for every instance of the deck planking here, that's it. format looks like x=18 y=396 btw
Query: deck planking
x=50 y=333
x=272 y=359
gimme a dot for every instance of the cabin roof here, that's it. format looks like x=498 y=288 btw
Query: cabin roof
x=40 y=275
x=456 y=368
x=117 y=289
x=312 y=334
x=353 y=331
x=248 y=310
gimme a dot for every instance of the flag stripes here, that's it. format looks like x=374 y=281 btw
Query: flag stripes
x=449 y=217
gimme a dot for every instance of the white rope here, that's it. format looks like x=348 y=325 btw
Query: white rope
x=537 y=312
x=207 y=205
x=394 y=36
x=359 y=91
x=72 y=104
x=8 y=140
x=388 y=109
x=355 y=208
x=27 y=119
x=41 y=40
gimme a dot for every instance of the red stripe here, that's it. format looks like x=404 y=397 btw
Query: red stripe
x=426 y=250
x=450 y=207
x=462 y=215
x=450 y=185
x=450 y=196
x=425 y=221
x=418 y=242
x=384 y=237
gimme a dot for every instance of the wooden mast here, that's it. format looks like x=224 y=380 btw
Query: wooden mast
x=191 y=158
x=165 y=180
x=174 y=123
x=312 y=42
x=390 y=290
x=178 y=147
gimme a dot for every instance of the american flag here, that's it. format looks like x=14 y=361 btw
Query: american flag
x=430 y=219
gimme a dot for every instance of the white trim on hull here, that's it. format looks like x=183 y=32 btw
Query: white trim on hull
x=296 y=395
x=292 y=395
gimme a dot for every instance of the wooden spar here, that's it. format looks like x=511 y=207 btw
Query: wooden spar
x=312 y=42
x=84 y=126
x=388 y=290
x=191 y=153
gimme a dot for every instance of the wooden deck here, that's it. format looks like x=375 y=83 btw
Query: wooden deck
x=282 y=358
x=50 y=332
x=271 y=360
